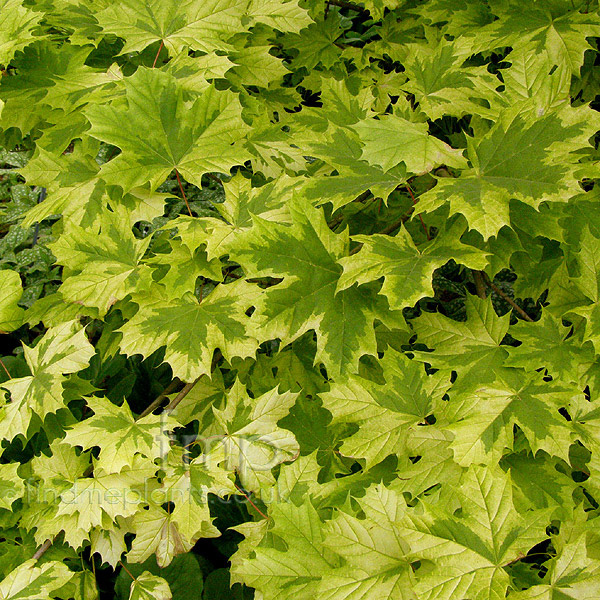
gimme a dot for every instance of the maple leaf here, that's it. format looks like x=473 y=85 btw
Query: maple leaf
x=192 y=331
x=482 y=418
x=109 y=543
x=53 y=476
x=538 y=482
x=391 y=140
x=377 y=7
x=28 y=582
x=11 y=485
x=376 y=562
x=104 y=268
x=460 y=18
x=251 y=443
x=296 y=480
x=341 y=149
x=254 y=65
x=306 y=255
x=474 y=344
x=285 y=16
x=346 y=101
x=587 y=283
x=198 y=25
x=11 y=315
x=66 y=179
x=62 y=467
x=470 y=551
x=113 y=428
x=585 y=426
x=278 y=572
x=519 y=157
x=156 y=532
x=241 y=202
x=441 y=84
x=188 y=486
x=184 y=265
x=343 y=189
x=56 y=79
x=17 y=23
x=574 y=573
x=149 y=587
x=91 y=499
x=384 y=412
x=545 y=343
x=194 y=137
x=559 y=29
x=198 y=403
x=62 y=350
x=535 y=76
x=428 y=458
x=194 y=73
x=406 y=269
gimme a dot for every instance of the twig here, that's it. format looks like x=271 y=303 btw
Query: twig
x=182 y=394
x=159 y=399
x=393 y=226
x=350 y=5
x=4 y=367
x=479 y=283
x=162 y=43
x=414 y=201
x=127 y=571
x=214 y=178
x=42 y=549
x=335 y=222
x=183 y=193
x=232 y=275
x=36 y=231
x=190 y=386
x=260 y=512
x=386 y=231
x=505 y=297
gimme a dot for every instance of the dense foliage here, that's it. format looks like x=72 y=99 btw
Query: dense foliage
x=299 y=297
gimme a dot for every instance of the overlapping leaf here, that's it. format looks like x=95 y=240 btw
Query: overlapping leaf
x=306 y=256
x=195 y=138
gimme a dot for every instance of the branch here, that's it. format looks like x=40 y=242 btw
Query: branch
x=505 y=297
x=414 y=201
x=391 y=228
x=182 y=394
x=36 y=231
x=349 y=5
x=40 y=551
x=479 y=283
x=190 y=386
x=159 y=399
